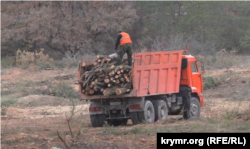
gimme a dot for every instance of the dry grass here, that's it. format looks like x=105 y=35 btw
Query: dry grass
x=26 y=58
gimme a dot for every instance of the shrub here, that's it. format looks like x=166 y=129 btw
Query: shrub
x=210 y=82
x=221 y=59
x=7 y=62
x=25 y=58
x=6 y=102
x=62 y=89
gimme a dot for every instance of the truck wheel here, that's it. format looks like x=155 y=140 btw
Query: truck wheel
x=149 y=112
x=194 y=111
x=161 y=110
x=98 y=120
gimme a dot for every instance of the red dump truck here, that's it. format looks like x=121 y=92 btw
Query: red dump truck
x=164 y=83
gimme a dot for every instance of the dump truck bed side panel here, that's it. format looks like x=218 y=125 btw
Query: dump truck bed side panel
x=157 y=73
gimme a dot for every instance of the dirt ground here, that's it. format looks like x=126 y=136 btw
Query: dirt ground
x=35 y=119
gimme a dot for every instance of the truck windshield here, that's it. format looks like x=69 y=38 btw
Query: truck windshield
x=194 y=67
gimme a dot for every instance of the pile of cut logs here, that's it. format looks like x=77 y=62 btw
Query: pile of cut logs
x=104 y=77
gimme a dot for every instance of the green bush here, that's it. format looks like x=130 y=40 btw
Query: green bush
x=7 y=62
x=210 y=82
x=62 y=89
x=6 y=102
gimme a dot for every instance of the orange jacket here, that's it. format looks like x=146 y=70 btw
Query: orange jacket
x=125 y=38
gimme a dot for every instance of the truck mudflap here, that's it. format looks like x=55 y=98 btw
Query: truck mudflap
x=187 y=103
x=136 y=104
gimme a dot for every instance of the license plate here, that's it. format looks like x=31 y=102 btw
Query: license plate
x=115 y=103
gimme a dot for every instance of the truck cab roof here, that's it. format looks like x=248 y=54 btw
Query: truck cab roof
x=188 y=57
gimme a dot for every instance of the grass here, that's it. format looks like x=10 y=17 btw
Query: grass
x=28 y=87
x=7 y=62
x=230 y=125
x=7 y=101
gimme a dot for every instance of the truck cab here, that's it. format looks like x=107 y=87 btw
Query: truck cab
x=191 y=76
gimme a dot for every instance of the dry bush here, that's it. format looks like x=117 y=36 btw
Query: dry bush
x=25 y=58
x=179 y=42
x=71 y=140
x=71 y=60
x=221 y=59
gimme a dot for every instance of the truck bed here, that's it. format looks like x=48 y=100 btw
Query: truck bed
x=154 y=73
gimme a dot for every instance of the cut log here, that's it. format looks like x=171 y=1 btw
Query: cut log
x=88 y=88
x=117 y=81
x=118 y=72
x=112 y=73
x=122 y=79
x=126 y=67
x=83 y=64
x=110 y=85
x=89 y=67
x=95 y=63
x=130 y=73
x=117 y=68
x=108 y=59
x=120 y=91
x=91 y=92
x=106 y=80
x=126 y=75
x=97 y=88
x=93 y=83
x=104 y=76
x=91 y=86
x=99 y=84
x=127 y=80
x=100 y=56
x=109 y=92
x=86 y=93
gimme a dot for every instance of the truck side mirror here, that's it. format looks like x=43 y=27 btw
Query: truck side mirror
x=202 y=68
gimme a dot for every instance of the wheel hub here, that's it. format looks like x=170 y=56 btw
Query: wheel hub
x=194 y=109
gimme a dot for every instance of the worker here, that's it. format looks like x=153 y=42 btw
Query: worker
x=125 y=46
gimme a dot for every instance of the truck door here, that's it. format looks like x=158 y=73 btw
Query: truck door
x=196 y=77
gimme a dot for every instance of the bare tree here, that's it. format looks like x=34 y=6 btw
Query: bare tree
x=66 y=25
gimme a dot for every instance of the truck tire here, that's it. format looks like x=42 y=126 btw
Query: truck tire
x=147 y=115
x=161 y=110
x=98 y=120
x=194 y=111
x=137 y=117
x=118 y=122
x=149 y=112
